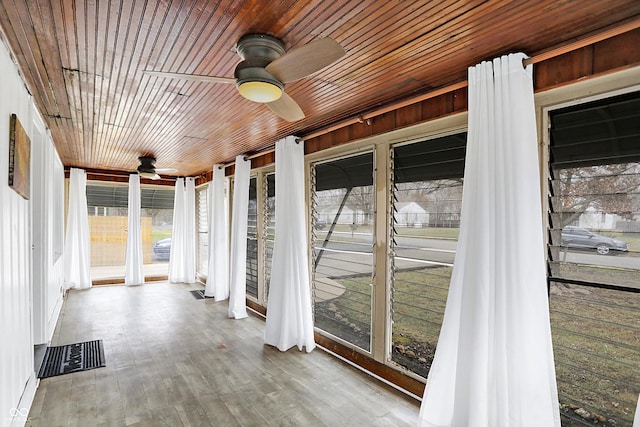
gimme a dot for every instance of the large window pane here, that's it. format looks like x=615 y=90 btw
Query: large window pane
x=343 y=206
x=596 y=340
x=595 y=192
x=108 y=240
x=426 y=203
x=202 y=225
x=594 y=245
x=269 y=228
x=108 y=224
x=252 y=240
x=157 y=220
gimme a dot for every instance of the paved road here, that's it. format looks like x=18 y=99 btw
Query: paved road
x=437 y=251
x=621 y=260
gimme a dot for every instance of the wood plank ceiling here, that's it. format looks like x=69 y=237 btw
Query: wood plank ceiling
x=83 y=62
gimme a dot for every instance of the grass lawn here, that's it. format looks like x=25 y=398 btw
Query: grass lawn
x=632 y=239
x=160 y=234
x=429 y=232
x=596 y=336
x=349 y=316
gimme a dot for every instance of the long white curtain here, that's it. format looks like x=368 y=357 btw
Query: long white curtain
x=218 y=272
x=77 y=273
x=493 y=365
x=182 y=259
x=238 y=262
x=133 y=272
x=289 y=310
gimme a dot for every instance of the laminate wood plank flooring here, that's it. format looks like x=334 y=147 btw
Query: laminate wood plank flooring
x=173 y=361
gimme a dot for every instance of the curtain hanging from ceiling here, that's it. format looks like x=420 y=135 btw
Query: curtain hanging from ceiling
x=289 y=311
x=76 y=243
x=133 y=272
x=218 y=276
x=182 y=259
x=493 y=365
x=238 y=262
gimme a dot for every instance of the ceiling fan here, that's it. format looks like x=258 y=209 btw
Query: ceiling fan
x=147 y=168
x=265 y=68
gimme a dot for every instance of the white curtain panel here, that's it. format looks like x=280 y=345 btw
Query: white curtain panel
x=289 y=310
x=494 y=365
x=133 y=272
x=77 y=273
x=238 y=262
x=218 y=276
x=176 y=266
x=190 y=242
x=182 y=268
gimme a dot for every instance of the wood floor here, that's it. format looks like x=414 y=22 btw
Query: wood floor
x=177 y=361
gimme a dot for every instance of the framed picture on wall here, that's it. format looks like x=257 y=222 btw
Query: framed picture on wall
x=19 y=158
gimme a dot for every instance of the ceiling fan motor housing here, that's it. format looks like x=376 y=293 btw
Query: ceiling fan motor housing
x=147 y=165
x=257 y=51
x=260 y=46
x=252 y=70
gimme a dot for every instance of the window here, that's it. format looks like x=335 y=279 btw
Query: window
x=108 y=224
x=269 y=227
x=426 y=202
x=595 y=192
x=594 y=259
x=157 y=219
x=202 y=219
x=343 y=208
x=252 y=240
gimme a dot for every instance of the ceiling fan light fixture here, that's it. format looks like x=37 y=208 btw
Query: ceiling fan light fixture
x=260 y=91
x=147 y=174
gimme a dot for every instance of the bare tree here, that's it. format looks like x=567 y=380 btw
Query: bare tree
x=612 y=189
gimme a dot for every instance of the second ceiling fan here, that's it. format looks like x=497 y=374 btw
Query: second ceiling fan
x=265 y=68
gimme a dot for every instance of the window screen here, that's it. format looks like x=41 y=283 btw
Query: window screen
x=269 y=227
x=426 y=202
x=252 y=240
x=594 y=259
x=202 y=219
x=595 y=192
x=117 y=197
x=343 y=207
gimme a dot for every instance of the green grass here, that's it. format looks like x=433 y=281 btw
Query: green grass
x=429 y=232
x=419 y=299
x=632 y=239
x=349 y=316
x=596 y=336
x=160 y=234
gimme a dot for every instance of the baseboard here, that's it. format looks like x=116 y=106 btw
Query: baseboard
x=21 y=412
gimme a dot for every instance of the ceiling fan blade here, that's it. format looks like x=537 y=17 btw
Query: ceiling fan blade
x=166 y=170
x=195 y=77
x=305 y=60
x=286 y=108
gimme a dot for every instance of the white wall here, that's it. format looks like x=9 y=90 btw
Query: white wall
x=17 y=376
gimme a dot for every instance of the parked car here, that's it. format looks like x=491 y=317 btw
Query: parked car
x=581 y=238
x=162 y=249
